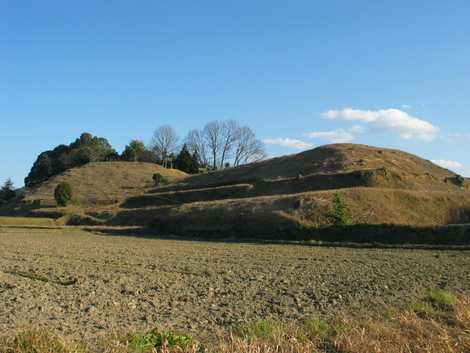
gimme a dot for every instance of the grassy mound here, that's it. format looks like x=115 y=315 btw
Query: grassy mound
x=395 y=168
x=288 y=197
x=102 y=183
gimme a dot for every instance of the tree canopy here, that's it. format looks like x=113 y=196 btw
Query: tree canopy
x=186 y=162
x=87 y=148
x=7 y=191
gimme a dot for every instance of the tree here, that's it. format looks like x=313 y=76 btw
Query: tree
x=164 y=143
x=133 y=151
x=248 y=148
x=197 y=147
x=63 y=194
x=186 y=162
x=213 y=139
x=339 y=214
x=7 y=192
x=84 y=149
x=222 y=142
x=229 y=135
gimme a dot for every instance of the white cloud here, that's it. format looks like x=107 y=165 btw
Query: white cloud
x=338 y=135
x=452 y=165
x=406 y=106
x=407 y=126
x=334 y=136
x=287 y=142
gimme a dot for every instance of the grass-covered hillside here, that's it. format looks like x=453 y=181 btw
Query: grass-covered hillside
x=102 y=183
x=288 y=196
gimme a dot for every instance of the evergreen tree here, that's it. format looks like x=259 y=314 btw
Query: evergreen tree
x=133 y=151
x=7 y=192
x=186 y=162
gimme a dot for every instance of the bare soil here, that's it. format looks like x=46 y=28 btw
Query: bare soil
x=86 y=285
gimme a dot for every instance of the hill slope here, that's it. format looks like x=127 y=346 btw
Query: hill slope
x=397 y=168
x=102 y=183
x=277 y=197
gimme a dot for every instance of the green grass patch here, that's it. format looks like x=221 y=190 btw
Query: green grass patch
x=318 y=328
x=154 y=339
x=423 y=309
x=440 y=298
x=262 y=329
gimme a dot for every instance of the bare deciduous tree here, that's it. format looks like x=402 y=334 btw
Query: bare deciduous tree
x=248 y=148
x=213 y=137
x=224 y=142
x=229 y=136
x=164 y=143
x=197 y=146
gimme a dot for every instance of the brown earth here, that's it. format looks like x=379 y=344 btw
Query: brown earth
x=86 y=285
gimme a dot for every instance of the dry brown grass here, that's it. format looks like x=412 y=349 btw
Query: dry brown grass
x=280 y=216
x=103 y=183
x=27 y=221
x=418 y=173
x=438 y=329
x=442 y=332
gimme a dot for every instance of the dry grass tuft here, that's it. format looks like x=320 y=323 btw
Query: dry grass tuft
x=410 y=332
x=442 y=330
x=37 y=341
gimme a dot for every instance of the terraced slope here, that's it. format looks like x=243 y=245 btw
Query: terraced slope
x=395 y=168
x=278 y=197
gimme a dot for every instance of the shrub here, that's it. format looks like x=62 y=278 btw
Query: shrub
x=159 y=179
x=63 y=194
x=339 y=214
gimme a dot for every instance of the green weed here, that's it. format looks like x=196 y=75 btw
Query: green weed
x=155 y=339
x=318 y=328
x=440 y=298
x=262 y=329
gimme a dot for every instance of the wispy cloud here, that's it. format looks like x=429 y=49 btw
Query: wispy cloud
x=288 y=142
x=396 y=120
x=452 y=165
x=406 y=106
x=335 y=136
x=338 y=135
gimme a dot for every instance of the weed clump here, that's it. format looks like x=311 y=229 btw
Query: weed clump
x=63 y=194
x=155 y=339
x=262 y=329
x=440 y=298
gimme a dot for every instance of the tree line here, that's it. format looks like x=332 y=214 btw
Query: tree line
x=218 y=145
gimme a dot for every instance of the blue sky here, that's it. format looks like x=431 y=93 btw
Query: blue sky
x=300 y=73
